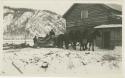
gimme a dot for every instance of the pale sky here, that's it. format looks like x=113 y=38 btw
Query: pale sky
x=58 y=6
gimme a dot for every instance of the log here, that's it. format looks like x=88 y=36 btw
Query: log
x=17 y=68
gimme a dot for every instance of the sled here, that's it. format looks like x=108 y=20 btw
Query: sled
x=45 y=42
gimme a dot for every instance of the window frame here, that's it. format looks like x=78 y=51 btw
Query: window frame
x=84 y=13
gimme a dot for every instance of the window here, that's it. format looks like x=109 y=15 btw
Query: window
x=84 y=14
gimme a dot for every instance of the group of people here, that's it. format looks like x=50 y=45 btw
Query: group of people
x=73 y=37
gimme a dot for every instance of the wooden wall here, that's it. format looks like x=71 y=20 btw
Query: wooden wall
x=96 y=16
x=115 y=38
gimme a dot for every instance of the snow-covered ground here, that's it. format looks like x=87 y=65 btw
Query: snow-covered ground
x=53 y=61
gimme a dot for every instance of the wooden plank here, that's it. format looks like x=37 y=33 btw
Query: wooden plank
x=17 y=68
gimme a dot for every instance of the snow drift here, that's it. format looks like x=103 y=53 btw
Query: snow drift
x=52 y=61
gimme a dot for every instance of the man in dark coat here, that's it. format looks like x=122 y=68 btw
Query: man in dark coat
x=35 y=40
x=52 y=37
x=52 y=33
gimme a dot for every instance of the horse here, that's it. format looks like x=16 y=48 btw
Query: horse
x=83 y=40
x=62 y=39
x=91 y=37
x=58 y=41
x=88 y=37
x=71 y=37
x=83 y=44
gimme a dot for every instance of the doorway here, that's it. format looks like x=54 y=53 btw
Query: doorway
x=106 y=41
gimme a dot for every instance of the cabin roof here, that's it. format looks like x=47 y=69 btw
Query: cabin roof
x=109 y=26
x=103 y=5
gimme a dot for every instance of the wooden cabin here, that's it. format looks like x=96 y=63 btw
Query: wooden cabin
x=81 y=16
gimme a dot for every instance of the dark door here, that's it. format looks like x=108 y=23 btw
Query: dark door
x=106 y=38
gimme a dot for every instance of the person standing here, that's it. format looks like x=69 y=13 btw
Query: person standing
x=52 y=37
x=35 y=41
x=52 y=32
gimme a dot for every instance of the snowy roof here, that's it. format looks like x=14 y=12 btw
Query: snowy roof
x=119 y=15
x=109 y=26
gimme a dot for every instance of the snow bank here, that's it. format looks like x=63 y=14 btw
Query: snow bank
x=61 y=61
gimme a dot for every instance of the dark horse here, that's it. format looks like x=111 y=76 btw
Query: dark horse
x=58 y=41
x=92 y=34
x=62 y=39
x=71 y=37
x=83 y=40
